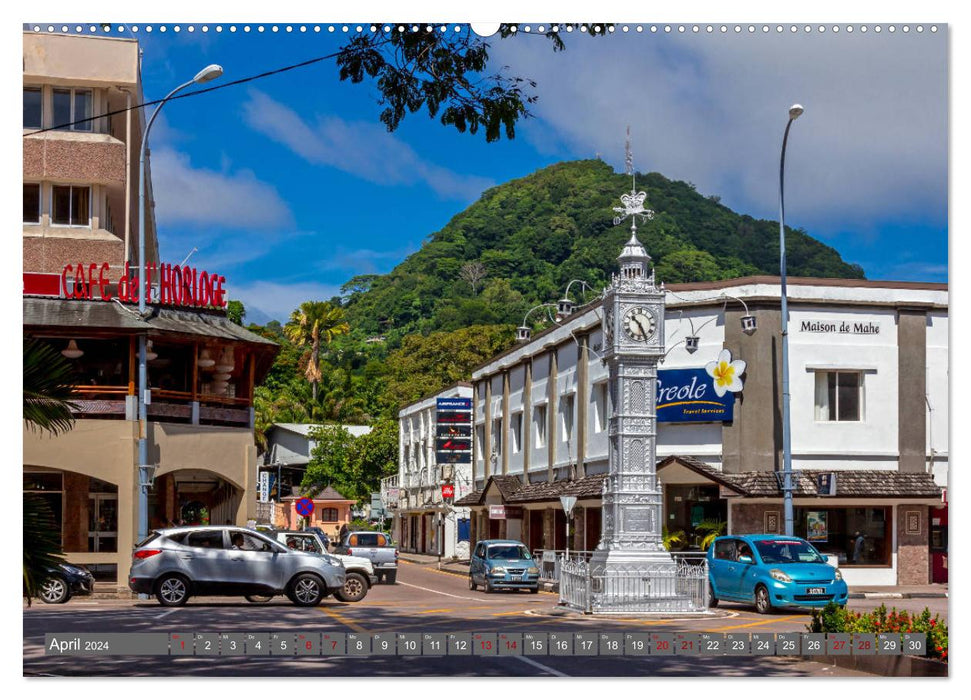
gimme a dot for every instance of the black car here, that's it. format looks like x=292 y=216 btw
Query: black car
x=65 y=581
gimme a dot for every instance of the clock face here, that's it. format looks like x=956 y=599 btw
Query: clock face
x=639 y=324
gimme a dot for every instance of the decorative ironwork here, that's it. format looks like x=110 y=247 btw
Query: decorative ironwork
x=677 y=587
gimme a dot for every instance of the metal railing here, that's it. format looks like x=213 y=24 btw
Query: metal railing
x=678 y=587
x=548 y=561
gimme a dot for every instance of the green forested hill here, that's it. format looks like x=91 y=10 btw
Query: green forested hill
x=533 y=235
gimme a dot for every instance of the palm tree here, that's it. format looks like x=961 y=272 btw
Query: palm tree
x=315 y=322
x=48 y=383
x=48 y=386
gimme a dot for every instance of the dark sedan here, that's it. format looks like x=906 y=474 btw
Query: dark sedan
x=65 y=581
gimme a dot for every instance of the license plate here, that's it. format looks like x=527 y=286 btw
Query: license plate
x=815 y=591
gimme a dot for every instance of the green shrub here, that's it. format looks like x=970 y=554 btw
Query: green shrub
x=837 y=620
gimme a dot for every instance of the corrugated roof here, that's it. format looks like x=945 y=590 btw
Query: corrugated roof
x=50 y=313
x=305 y=428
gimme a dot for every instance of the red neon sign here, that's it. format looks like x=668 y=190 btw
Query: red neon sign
x=176 y=286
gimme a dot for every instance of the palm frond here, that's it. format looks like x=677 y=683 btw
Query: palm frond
x=48 y=386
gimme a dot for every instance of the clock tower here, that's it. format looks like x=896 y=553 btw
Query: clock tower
x=633 y=328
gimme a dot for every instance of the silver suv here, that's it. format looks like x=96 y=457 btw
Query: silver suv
x=178 y=562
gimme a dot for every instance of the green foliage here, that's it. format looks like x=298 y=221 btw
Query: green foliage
x=835 y=619
x=535 y=234
x=352 y=465
x=236 y=312
x=42 y=544
x=673 y=540
x=48 y=385
x=710 y=529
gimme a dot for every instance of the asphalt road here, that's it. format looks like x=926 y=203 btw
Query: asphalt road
x=423 y=600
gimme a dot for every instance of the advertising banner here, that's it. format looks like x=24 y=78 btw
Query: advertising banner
x=449 y=417
x=455 y=404
x=453 y=457
x=688 y=396
x=450 y=430
x=816 y=530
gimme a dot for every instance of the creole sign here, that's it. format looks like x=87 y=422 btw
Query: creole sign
x=851 y=327
x=171 y=285
x=702 y=394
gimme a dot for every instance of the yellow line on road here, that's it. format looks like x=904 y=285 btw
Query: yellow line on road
x=343 y=620
x=429 y=612
x=755 y=624
x=512 y=612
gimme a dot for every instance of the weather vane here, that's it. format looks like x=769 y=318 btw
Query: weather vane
x=633 y=202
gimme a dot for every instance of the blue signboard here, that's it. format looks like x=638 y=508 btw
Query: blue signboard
x=456 y=404
x=688 y=396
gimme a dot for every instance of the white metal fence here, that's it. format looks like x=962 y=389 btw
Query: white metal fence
x=673 y=588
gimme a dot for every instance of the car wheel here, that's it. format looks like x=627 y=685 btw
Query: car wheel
x=488 y=586
x=55 y=590
x=762 y=604
x=259 y=598
x=712 y=598
x=471 y=584
x=306 y=590
x=355 y=588
x=533 y=590
x=172 y=590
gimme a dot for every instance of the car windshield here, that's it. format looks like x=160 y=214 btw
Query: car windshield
x=508 y=551
x=788 y=552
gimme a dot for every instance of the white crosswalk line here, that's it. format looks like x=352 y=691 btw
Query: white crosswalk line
x=537 y=664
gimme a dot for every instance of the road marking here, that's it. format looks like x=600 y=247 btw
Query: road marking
x=432 y=590
x=541 y=667
x=167 y=612
x=344 y=621
x=512 y=612
x=440 y=610
x=756 y=624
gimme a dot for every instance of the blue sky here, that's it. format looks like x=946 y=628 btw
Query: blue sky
x=289 y=185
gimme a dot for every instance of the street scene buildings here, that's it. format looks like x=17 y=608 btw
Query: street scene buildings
x=656 y=395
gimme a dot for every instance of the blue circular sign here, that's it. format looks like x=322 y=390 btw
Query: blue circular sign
x=305 y=507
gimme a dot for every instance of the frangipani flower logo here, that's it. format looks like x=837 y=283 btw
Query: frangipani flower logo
x=727 y=374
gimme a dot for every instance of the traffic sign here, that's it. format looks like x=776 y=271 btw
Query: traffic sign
x=568 y=502
x=448 y=491
x=305 y=507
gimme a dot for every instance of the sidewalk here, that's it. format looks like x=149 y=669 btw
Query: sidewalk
x=933 y=590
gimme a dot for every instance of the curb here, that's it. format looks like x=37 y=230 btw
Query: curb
x=895 y=596
x=906 y=666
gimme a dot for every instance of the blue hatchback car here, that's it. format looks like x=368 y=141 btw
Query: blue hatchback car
x=499 y=564
x=772 y=571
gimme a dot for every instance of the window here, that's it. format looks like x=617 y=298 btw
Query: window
x=839 y=396
x=600 y=406
x=207 y=539
x=725 y=549
x=72 y=106
x=368 y=539
x=516 y=432
x=328 y=515
x=479 y=441
x=497 y=436
x=70 y=205
x=33 y=99
x=539 y=419
x=566 y=411
x=857 y=536
x=31 y=203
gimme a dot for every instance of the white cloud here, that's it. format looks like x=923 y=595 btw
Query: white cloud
x=197 y=196
x=273 y=300
x=711 y=109
x=363 y=149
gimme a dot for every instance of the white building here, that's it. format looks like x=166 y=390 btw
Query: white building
x=424 y=521
x=289 y=447
x=868 y=371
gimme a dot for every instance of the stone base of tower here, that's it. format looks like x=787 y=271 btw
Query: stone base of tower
x=634 y=581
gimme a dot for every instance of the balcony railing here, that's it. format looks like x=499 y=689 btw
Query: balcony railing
x=97 y=401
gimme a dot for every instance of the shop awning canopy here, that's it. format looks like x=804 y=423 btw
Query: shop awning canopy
x=850 y=483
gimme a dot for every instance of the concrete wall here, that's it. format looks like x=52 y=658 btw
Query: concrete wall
x=913 y=555
x=912 y=390
x=83 y=60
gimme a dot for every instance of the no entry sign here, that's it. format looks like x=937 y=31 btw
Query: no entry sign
x=305 y=507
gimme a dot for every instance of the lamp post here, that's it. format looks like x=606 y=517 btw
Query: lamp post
x=794 y=113
x=145 y=475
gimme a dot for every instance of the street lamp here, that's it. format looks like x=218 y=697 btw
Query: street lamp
x=794 y=113
x=145 y=470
